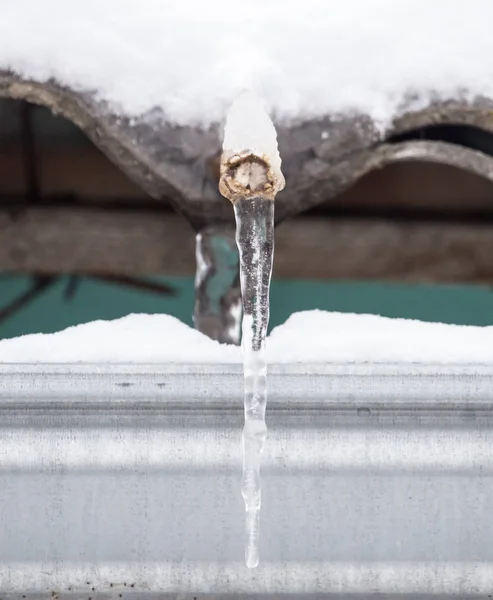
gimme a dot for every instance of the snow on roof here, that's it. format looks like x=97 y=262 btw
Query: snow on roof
x=249 y=127
x=306 y=337
x=305 y=59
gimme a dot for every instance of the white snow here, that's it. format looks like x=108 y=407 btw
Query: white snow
x=320 y=336
x=310 y=58
x=311 y=337
x=136 y=338
x=249 y=127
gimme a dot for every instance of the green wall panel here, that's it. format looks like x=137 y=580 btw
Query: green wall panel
x=95 y=300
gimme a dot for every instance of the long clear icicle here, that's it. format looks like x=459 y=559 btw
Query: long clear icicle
x=251 y=177
x=255 y=239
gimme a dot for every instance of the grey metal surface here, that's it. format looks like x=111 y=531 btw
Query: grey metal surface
x=127 y=481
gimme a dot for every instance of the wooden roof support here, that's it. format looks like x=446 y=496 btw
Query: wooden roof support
x=56 y=240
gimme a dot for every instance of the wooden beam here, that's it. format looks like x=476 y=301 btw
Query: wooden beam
x=83 y=172
x=131 y=242
x=71 y=240
x=380 y=249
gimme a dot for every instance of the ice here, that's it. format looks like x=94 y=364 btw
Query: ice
x=249 y=133
x=236 y=312
x=210 y=258
x=202 y=266
x=308 y=59
x=255 y=239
